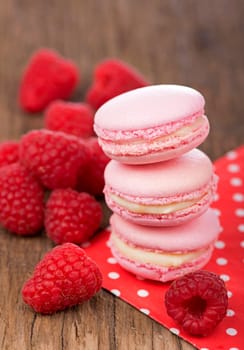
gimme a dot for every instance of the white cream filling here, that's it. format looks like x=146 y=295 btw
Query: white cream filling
x=159 y=258
x=187 y=129
x=152 y=209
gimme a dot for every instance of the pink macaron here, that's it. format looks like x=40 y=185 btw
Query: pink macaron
x=164 y=253
x=161 y=194
x=152 y=124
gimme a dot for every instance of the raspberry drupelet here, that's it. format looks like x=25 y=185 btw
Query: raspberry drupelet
x=55 y=158
x=47 y=77
x=111 y=78
x=9 y=152
x=21 y=200
x=65 y=277
x=197 y=301
x=71 y=216
x=71 y=118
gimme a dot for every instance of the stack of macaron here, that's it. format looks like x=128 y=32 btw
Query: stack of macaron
x=158 y=185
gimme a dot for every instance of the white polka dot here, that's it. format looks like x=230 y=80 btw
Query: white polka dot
x=204 y=349
x=224 y=277
x=236 y=181
x=231 y=331
x=233 y=168
x=239 y=212
x=216 y=197
x=242 y=244
x=145 y=311
x=115 y=292
x=219 y=244
x=112 y=260
x=230 y=313
x=142 y=293
x=241 y=227
x=85 y=244
x=175 y=330
x=238 y=197
x=217 y=212
x=231 y=155
x=221 y=261
x=229 y=294
x=233 y=348
x=114 y=275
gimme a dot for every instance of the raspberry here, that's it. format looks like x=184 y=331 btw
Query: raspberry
x=72 y=118
x=71 y=216
x=21 y=200
x=54 y=157
x=111 y=78
x=9 y=152
x=91 y=178
x=197 y=301
x=47 y=77
x=65 y=277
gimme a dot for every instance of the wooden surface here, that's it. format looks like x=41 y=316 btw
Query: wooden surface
x=196 y=43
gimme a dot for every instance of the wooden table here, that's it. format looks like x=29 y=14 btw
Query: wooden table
x=196 y=43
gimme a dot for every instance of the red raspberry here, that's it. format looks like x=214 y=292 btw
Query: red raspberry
x=91 y=179
x=47 y=77
x=72 y=118
x=66 y=276
x=197 y=301
x=54 y=157
x=21 y=200
x=111 y=78
x=71 y=216
x=9 y=152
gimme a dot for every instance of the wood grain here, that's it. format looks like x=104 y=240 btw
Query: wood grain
x=196 y=43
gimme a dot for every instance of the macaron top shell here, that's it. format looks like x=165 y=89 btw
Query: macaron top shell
x=196 y=234
x=181 y=175
x=149 y=107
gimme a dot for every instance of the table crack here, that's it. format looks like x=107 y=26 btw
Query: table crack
x=62 y=332
x=32 y=329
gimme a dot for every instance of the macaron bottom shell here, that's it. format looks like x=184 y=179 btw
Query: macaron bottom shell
x=161 y=194
x=164 y=253
x=144 y=151
x=171 y=217
x=161 y=273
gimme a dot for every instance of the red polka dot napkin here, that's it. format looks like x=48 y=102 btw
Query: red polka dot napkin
x=227 y=261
